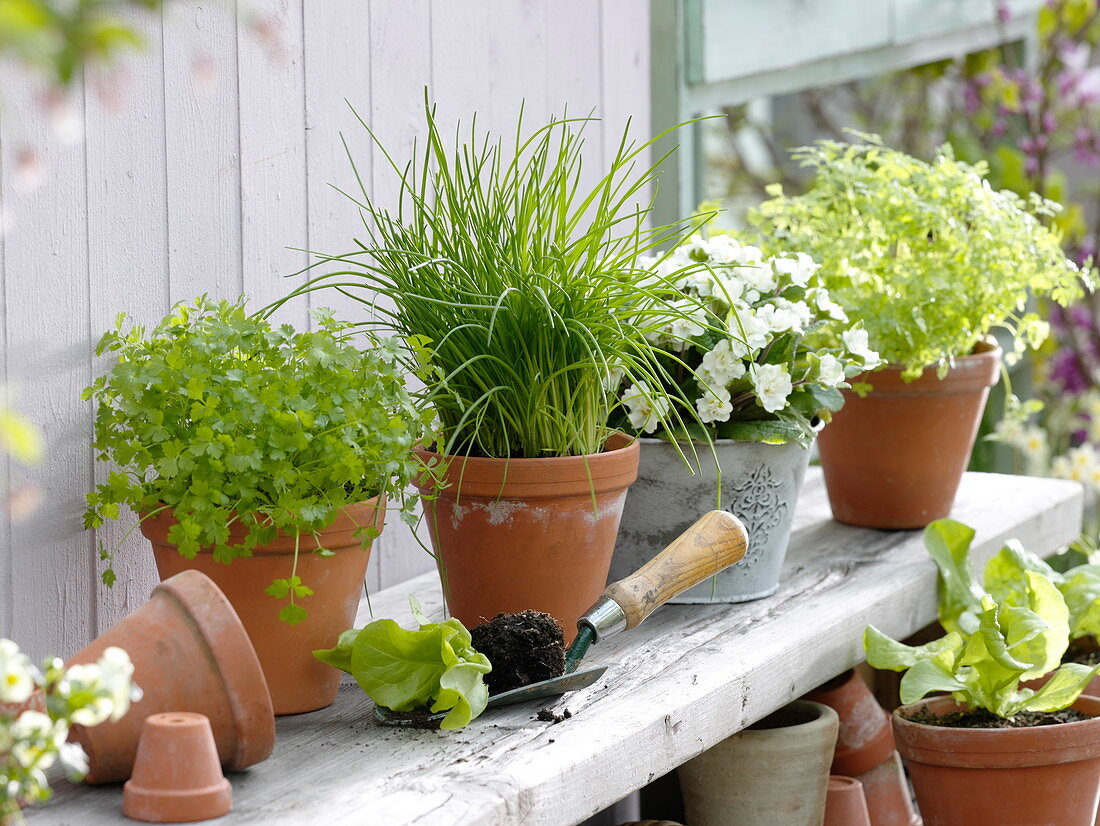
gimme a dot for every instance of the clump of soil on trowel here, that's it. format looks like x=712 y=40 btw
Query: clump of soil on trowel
x=523 y=648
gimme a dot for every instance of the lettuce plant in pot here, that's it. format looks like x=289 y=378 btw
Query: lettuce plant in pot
x=993 y=751
x=931 y=259
x=763 y=353
x=262 y=457
x=1005 y=578
x=510 y=279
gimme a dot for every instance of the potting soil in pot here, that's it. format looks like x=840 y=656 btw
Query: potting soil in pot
x=523 y=648
x=980 y=718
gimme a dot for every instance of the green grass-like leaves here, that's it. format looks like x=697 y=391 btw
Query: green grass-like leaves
x=513 y=285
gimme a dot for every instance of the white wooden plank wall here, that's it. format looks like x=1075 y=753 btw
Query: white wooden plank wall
x=203 y=162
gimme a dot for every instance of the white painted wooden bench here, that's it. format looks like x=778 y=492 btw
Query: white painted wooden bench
x=686 y=679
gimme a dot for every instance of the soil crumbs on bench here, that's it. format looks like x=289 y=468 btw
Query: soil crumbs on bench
x=980 y=718
x=523 y=648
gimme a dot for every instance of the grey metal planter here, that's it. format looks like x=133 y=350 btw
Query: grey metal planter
x=760 y=485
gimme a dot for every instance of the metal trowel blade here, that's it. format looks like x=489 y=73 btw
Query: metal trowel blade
x=536 y=691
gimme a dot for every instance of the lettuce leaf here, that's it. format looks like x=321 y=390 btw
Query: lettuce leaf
x=403 y=669
x=948 y=543
x=1016 y=640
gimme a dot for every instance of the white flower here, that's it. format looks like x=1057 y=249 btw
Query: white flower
x=36 y=739
x=799 y=308
x=116 y=677
x=613 y=377
x=799 y=268
x=855 y=340
x=721 y=365
x=74 y=760
x=1061 y=468
x=773 y=386
x=1010 y=431
x=748 y=334
x=699 y=281
x=819 y=297
x=748 y=255
x=760 y=277
x=1033 y=442
x=17 y=675
x=831 y=372
x=728 y=288
x=696 y=244
x=724 y=250
x=714 y=405
x=779 y=319
x=689 y=320
x=644 y=409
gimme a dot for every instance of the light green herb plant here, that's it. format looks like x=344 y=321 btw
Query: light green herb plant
x=513 y=277
x=1005 y=579
x=927 y=255
x=994 y=642
x=227 y=420
x=403 y=670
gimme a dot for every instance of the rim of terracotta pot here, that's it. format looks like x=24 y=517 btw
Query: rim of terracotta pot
x=348 y=520
x=979 y=369
x=615 y=468
x=253 y=713
x=988 y=748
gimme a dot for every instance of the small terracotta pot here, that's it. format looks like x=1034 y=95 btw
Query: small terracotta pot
x=177 y=777
x=894 y=459
x=887 y=794
x=845 y=804
x=298 y=681
x=774 y=772
x=190 y=653
x=864 y=739
x=1038 y=776
x=513 y=534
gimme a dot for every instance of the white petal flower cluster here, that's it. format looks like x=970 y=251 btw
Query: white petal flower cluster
x=646 y=409
x=40 y=708
x=784 y=333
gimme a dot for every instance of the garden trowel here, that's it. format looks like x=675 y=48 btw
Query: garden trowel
x=715 y=541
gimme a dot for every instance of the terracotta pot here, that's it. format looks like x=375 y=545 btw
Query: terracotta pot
x=864 y=739
x=513 y=534
x=774 y=772
x=190 y=653
x=845 y=804
x=887 y=794
x=298 y=681
x=1039 y=776
x=894 y=459
x=177 y=777
x=865 y=749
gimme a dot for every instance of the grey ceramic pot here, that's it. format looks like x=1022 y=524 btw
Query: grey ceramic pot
x=774 y=773
x=760 y=485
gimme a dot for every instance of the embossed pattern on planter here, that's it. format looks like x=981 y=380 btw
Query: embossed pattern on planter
x=760 y=485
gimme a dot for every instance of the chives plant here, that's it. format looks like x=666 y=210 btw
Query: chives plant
x=515 y=286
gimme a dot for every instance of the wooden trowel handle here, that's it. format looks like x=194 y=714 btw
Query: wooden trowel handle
x=715 y=541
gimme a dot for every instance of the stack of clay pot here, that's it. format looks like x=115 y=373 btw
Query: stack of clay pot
x=865 y=750
x=190 y=654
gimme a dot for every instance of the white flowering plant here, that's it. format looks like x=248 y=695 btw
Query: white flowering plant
x=39 y=706
x=755 y=340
